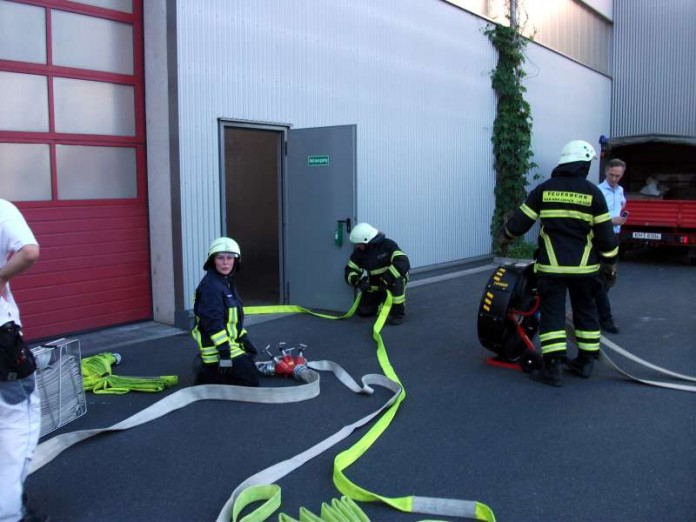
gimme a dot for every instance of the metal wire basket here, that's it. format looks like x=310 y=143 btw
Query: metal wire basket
x=59 y=382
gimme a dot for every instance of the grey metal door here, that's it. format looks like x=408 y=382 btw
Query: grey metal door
x=320 y=208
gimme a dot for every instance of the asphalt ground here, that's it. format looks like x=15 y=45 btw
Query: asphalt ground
x=601 y=449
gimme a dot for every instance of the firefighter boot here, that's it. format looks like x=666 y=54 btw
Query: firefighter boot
x=549 y=372
x=582 y=365
x=395 y=319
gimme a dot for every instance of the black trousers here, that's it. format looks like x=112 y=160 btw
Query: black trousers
x=552 y=332
x=370 y=301
x=603 y=305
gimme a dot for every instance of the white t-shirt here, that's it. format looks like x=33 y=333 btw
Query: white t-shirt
x=14 y=234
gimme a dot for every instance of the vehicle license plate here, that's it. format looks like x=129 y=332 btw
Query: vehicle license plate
x=647 y=235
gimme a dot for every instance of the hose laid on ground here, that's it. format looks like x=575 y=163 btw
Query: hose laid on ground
x=610 y=345
x=260 y=486
x=410 y=504
x=98 y=378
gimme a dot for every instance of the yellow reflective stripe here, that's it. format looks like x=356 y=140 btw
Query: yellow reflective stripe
x=354 y=266
x=394 y=271
x=549 y=247
x=209 y=354
x=219 y=337
x=352 y=276
x=589 y=346
x=572 y=214
x=573 y=198
x=243 y=332
x=611 y=253
x=399 y=299
x=232 y=323
x=196 y=334
x=550 y=348
x=234 y=334
x=602 y=218
x=529 y=212
x=548 y=269
x=378 y=271
x=588 y=334
x=555 y=334
x=235 y=350
x=588 y=249
x=396 y=253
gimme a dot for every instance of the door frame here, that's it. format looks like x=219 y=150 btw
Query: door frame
x=282 y=130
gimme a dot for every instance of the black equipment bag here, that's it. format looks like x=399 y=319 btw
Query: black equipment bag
x=16 y=359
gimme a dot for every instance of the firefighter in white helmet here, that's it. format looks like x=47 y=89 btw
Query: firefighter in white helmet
x=576 y=242
x=226 y=353
x=377 y=263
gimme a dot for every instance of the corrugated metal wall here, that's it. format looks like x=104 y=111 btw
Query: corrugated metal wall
x=412 y=74
x=654 y=67
x=569 y=102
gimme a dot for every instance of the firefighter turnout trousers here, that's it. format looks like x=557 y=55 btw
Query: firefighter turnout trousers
x=552 y=331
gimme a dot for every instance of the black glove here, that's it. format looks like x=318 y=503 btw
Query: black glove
x=225 y=367
x=504 y=242
x=363 y=285
x=388 y=279
x=249 y=347
x=608 y=273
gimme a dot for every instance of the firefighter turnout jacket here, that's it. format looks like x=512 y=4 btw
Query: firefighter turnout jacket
x=385 y=265
x=576 y=237
x=576 y=233
x=219 y=315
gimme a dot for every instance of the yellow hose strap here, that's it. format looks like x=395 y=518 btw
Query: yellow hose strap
x=289 y=309
x=97 y=378
x=339 y=510
x=436 y=506
x=268 y=493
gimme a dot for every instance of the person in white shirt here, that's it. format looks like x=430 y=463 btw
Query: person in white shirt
x=20 y=409
x=616 y=201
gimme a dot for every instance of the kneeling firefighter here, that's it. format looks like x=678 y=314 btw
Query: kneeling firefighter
x=385 y=266
x=226 y=353
x=576 y=242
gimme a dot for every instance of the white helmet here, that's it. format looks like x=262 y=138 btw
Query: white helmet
x=363 y=233
x=577 y=150
x=220 y=245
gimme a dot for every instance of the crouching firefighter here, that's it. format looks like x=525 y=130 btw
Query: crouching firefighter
x=576 y=244
x=226 y=353
x=377 y=264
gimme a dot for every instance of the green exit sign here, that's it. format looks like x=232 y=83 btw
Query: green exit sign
x=317 y=161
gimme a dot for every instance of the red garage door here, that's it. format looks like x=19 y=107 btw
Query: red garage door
x=72 y=158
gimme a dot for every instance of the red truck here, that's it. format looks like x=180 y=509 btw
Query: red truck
x=660 y=189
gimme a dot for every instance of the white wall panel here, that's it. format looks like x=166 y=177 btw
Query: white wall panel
x=412 y=74
x=569 y=102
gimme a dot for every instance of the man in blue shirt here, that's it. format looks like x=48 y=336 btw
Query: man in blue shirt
x=616 y=201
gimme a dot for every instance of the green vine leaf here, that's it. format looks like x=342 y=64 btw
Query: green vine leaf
x=512 y=128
